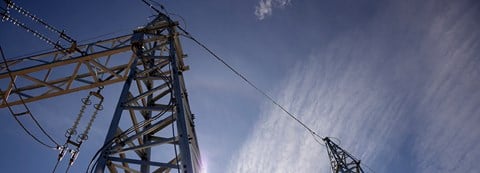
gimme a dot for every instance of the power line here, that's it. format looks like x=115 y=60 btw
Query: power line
x=312 y=132
x=170 y=14
x=28 y=112
x=84 y=42
x=56 y=165
x=26 y=13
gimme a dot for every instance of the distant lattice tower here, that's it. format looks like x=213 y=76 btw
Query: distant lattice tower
x=340 y=160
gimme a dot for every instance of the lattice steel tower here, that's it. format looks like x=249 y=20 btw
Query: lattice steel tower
x=340 y=160
x=155 y=91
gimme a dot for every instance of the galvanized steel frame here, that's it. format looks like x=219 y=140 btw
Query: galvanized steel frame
x=153 y=120
x=56 y=73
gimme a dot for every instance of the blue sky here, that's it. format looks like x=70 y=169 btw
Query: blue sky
x=395 y=81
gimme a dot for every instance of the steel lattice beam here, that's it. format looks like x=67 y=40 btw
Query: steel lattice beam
x=56 y=73
x=152 y=128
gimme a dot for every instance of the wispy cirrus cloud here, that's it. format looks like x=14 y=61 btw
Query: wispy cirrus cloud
x=401 y=94
x=265 y=7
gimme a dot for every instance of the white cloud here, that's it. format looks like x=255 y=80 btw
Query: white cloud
x=265 y=7
x=402 y=95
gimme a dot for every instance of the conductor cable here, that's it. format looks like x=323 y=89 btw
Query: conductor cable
x=27 y=112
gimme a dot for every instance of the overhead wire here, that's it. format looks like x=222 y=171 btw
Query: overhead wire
x=39 y=20
x=25 y=129
x=236 y=72
x=368 y=167
x=105 y=34
x=56 y=165
x=169 y=13
x=28 y=111
x=262 y=92
x=68 y=168
x=81 y=41
x=34 y=32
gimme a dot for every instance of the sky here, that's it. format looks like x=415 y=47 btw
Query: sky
x=396 y=81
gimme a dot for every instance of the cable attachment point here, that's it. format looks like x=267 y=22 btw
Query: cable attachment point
x=74 y=156
x=63 y=149
x=98 y=107
x=70 y=132
x=82 y=137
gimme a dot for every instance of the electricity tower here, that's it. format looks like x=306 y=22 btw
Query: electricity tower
x=340 y=160
x=155 y=91
x=152 y=129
